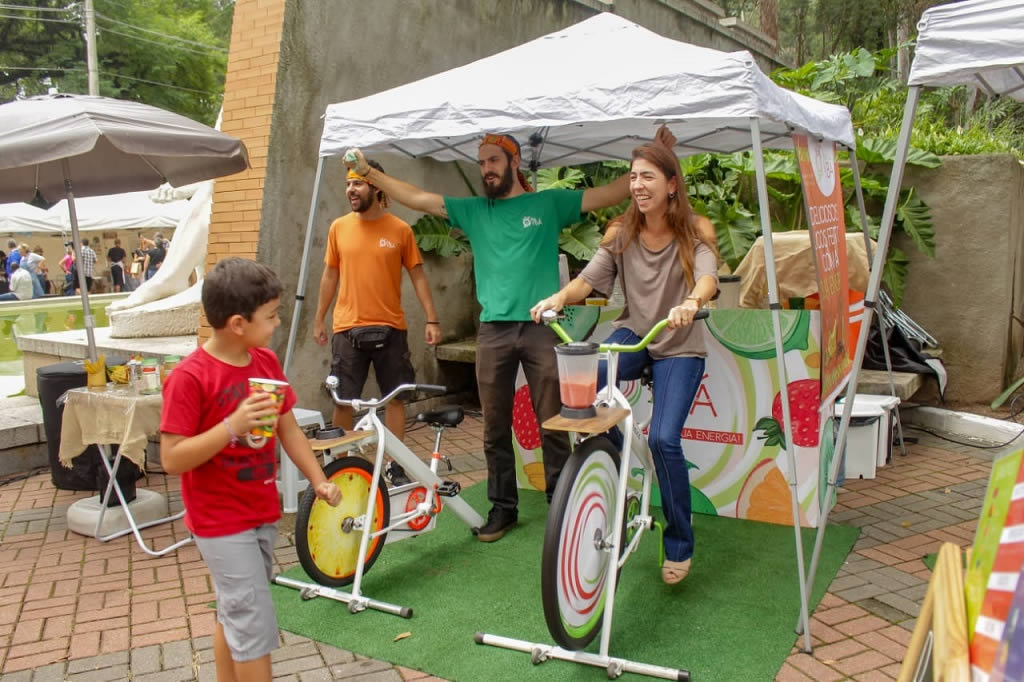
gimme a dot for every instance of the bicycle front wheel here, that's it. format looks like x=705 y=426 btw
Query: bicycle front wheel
x=576 y=558
x=326 y=538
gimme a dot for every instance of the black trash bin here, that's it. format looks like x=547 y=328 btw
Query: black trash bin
x=86 y=471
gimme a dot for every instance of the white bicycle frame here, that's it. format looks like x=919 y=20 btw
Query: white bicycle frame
x=387 y=443
x=609 y=396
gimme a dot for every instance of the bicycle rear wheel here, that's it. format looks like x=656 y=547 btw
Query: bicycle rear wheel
x=325 y=537
x=574 y=564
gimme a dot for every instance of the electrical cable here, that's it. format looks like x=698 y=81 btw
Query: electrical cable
x=162 y=35
x=152 y=42
x=1014 y=411
x=166 y=85
x=33 y=8
x=24 y=18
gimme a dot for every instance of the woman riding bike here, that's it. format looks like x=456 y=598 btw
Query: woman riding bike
x=664 y=257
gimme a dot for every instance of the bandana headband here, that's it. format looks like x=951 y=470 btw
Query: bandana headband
x=510 y=146
x=353 y=175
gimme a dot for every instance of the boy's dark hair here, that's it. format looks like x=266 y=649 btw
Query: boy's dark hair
x=237 y=286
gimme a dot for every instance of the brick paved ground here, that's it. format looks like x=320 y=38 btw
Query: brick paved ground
x=74 y=609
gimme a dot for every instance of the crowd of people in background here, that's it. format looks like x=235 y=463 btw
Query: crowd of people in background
x=124 y=271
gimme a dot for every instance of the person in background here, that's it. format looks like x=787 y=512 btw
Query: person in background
x=13 y=256
x=155 y=255
x=21 y=285
x=115 y=256
x=663 y=255
x=67 y=265
x=88 y=264
x=42 y=269
x=29 y=262
x=164 y=244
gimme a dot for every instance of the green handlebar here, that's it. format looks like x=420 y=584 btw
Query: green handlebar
x=619 y=348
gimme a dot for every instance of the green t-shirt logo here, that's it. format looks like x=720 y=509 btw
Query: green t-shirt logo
x=530 y=221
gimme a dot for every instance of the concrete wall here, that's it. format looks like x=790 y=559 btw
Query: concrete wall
x=338 y=51
x=968 y=295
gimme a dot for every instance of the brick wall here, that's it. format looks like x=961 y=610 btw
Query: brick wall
x=248 y=102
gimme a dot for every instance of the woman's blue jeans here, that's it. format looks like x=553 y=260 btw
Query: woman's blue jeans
x=676 y=381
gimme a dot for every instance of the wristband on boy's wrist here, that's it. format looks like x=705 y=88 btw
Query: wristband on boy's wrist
x=433 y=322
x=231 y=433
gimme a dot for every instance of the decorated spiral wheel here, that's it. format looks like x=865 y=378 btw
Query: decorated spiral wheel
x=576 y=560
x=327 y=538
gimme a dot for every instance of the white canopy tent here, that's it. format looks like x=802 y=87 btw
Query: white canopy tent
x=107 y=212
x=976 y=42
x=712 y=102
x=21 y=217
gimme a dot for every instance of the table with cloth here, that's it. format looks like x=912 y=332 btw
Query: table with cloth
x=117 y=415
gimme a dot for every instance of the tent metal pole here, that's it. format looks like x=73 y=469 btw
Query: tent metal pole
x=773 y=299
x=300 y=288
x=881 y=317
x=87 y=317
x=884 y=232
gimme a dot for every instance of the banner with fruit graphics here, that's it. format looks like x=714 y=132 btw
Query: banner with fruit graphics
x=733 y=439
x=823 y=201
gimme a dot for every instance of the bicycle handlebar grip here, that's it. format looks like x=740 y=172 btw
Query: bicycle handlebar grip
x=702 y=314
x=434 y=389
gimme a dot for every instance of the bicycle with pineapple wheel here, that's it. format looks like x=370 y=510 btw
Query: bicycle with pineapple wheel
x=336 y=546
x=595 y=522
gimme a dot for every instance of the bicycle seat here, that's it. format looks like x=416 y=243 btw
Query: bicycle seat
x=452 y=415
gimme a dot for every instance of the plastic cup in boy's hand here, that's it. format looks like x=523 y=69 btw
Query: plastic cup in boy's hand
x=260 y=434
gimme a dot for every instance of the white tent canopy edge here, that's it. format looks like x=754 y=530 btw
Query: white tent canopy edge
x=712 y=102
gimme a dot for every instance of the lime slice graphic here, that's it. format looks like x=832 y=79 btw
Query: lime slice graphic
x=748 y=333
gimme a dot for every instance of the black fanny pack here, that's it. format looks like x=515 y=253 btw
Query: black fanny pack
x=369 y=338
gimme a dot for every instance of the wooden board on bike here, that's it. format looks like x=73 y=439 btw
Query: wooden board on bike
x=606 y=418
x=350 y=437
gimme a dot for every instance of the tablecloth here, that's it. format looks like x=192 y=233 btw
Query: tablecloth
x=116 y=416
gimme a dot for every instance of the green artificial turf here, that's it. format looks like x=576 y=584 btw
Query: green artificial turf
x=732 y=618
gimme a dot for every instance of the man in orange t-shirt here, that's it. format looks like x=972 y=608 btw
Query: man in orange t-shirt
x=366 y=251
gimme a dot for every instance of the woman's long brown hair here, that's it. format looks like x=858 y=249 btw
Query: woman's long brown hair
x=679 y=215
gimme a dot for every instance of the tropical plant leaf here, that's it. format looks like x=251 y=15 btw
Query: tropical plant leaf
x=580 y=240
x=916 y=219
x=735 y=228
x=894 y=274
x=559 y=178
x=692 y=165
x=853 y=221
x=878 y=150
x=436 y=234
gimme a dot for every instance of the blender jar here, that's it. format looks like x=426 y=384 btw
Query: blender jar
x=577 y=378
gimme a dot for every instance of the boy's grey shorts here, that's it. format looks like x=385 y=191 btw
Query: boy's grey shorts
x=242 y=566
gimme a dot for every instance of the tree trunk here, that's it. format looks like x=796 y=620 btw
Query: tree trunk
x=770 y=18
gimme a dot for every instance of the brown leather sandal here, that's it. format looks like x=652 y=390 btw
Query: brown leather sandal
x=673 y=572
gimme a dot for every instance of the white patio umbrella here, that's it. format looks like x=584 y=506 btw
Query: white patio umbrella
x=60 y=146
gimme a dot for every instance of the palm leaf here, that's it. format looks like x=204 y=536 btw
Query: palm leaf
x=894 y=274
x=878 y=150
x=559 y=178
x=580 y=240
x=916 y=219
x=436 y=234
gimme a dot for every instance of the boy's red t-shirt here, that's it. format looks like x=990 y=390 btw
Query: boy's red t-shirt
x=236 y=489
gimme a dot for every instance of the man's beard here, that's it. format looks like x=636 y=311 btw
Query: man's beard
x=364 y=203
x=503 y=187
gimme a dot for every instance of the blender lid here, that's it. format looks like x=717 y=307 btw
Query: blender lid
x=577 y=348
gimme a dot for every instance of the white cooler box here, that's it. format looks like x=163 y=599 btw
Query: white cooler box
x=869 y=441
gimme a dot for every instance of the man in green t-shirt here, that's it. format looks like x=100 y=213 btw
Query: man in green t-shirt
x=514 y=234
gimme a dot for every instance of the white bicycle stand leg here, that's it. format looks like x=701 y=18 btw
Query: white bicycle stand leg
x=355 y=604
x=614 y=666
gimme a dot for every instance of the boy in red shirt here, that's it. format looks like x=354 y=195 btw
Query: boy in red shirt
x=228 y=481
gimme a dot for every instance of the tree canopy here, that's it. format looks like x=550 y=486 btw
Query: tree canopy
x=168 y=53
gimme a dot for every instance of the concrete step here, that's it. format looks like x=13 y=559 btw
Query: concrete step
x=22 y=438
x=876 y=382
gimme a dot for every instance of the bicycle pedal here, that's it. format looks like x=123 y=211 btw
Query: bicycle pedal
x=449 y=488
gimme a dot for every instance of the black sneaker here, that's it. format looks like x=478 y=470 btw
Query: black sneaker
x=396 y=474
x=498 y=523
